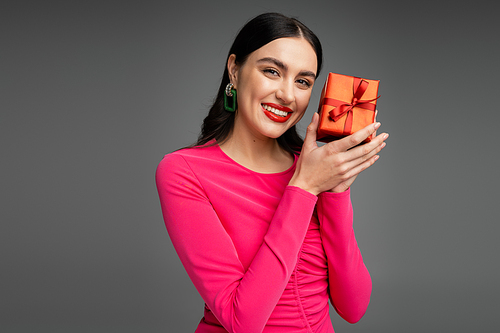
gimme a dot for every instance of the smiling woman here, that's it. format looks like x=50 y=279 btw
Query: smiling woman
x=261 y=219
x=274 y=85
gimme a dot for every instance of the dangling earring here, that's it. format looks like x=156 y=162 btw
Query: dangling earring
x=230 y=92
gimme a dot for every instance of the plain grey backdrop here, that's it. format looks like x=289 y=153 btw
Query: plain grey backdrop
x=94 y=93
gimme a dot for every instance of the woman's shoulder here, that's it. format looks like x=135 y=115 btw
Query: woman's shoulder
x=184 y=171
x=208 y=149
x=191 y=157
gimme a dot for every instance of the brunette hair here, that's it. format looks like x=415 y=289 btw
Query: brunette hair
x=256 y=33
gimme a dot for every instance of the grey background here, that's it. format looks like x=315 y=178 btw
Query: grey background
x=94 y=93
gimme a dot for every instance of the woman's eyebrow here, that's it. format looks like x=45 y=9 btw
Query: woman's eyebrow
x=283 y=67
x=276 y=62
x=308 y=73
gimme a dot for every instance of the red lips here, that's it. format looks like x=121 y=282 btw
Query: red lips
x=275 y=117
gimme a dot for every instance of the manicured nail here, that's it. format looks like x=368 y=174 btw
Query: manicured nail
x=377 y=125
x=386 y=135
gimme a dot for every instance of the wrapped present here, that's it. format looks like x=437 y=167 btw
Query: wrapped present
x=347 y=105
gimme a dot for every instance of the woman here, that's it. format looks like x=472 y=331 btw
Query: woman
x=261 y=220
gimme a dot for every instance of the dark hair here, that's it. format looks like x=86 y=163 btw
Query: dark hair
x=258 y=32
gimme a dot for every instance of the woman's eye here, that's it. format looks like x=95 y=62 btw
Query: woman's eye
x=271 y=71
x=304 y=83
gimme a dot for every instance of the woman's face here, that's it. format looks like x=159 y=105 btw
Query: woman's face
x=273 y=87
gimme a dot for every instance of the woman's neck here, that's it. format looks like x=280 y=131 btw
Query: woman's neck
x=263 y=155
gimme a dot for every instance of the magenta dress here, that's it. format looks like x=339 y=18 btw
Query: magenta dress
x=264 y=256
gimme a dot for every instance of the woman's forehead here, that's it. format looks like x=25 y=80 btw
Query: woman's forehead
x=292 y=52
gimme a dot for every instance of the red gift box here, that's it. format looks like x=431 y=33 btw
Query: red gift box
x=347 y=105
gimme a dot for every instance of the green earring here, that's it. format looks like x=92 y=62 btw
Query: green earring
x=230 y=92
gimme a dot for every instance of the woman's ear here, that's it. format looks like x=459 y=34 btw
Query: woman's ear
x=232 y=69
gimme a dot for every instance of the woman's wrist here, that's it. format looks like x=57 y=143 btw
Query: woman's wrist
x=303 y=186
x=339 y=190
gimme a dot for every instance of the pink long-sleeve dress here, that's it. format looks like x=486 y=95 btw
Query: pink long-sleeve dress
x=264 y=256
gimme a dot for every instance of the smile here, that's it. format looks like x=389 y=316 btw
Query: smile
x=277 y=113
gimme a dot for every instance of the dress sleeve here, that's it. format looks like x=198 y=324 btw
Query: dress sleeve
x=241 y=300
x=349 y=282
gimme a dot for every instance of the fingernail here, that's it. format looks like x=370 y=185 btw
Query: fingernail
x=386 y=135
x=377 y=125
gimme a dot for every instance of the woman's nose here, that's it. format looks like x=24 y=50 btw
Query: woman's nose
x=285 y=93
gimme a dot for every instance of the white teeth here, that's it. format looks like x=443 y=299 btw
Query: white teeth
x=275 y=111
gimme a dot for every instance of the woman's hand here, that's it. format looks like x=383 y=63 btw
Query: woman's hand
x=335 y=166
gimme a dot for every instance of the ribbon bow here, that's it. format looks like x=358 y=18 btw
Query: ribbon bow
x=341 y=107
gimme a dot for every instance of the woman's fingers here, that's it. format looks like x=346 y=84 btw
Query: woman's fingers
x=354 y=139
x=367 y=150
x=335 y=165
x=354 y=161
x=360 y=158
x=354 y=172
x=310 y=139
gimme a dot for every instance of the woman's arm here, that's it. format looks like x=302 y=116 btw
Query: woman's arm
x=241 y=300
x=349 y=282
